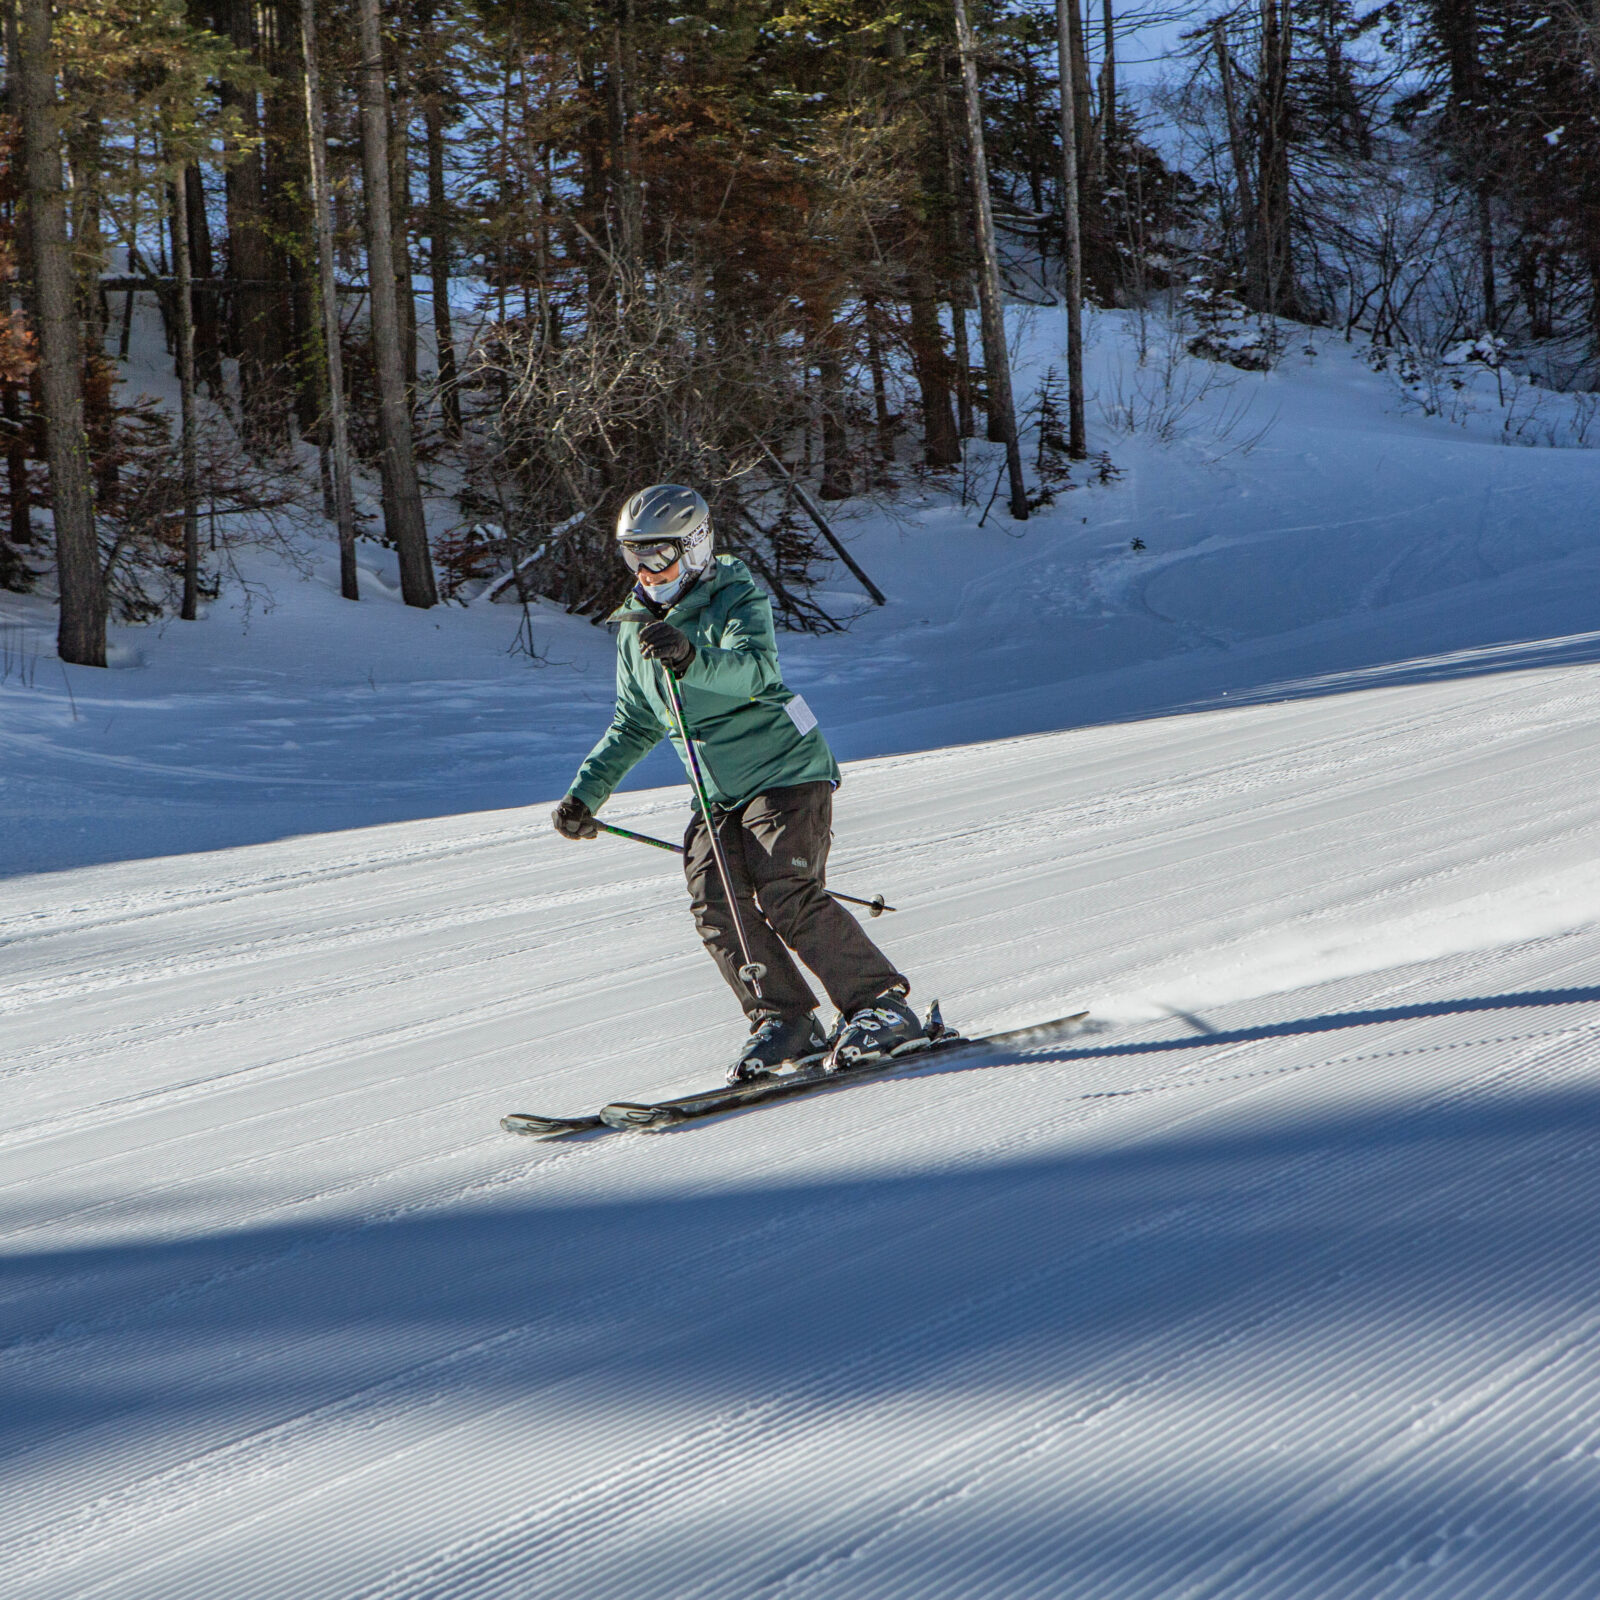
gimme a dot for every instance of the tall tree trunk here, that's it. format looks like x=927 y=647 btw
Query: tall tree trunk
x=439 y=252
x=622 y=127
x=81 y=635
x=402 y=494
x=1469 y=126
x=1089 y=173
x=186 y=436
x=20 y=526
x=996 y=356
x=1077 y=445
x=328 y=297
x=960 y=306
x=256 y=326
x=1238 y=147
x=883 y=422
x=202 y=263
x=957 y=260
x=19 y=422
x=400 y=221
x=1273 y=276
x=836 y=484
x=1108 y=84
x=286 y=183
x=941 y=446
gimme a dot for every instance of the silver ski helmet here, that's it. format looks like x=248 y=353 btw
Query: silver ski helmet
x=665 y=535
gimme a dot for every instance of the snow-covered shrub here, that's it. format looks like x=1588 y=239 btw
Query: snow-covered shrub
x=1226 y=331
x=1487 y=350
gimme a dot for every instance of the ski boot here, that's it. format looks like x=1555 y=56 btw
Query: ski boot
x=886 y=1026
x=778 y=1042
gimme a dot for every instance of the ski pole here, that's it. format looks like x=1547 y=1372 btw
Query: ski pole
x=752 y=972
x=875 y=907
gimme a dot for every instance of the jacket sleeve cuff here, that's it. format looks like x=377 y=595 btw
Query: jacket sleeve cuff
x=591 y=794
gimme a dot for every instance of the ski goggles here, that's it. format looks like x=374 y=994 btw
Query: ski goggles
x=656 y=557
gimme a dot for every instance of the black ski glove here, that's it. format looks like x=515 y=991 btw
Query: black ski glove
x=660 y=641
x=574 y=820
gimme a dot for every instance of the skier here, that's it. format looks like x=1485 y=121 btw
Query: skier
x=770 y=778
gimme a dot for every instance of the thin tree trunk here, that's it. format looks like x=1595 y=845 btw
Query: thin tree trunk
x=1274 y=279
x=1077 y=444
x=332 y=351
x=20 y=529
x=880 y=394
x=256 y=323
x=286 y=184
x=965 y=426
x=958 y=267
x=203 y=268
x=400 y=221
x=20 y=426
x=621 y=117
x=444 y=336
x=1089 y=173
x=836 y=482
x=1237 y=148
x=1470 y=130
x=941 y=447
x=402 y=494
x=1486 y=267
x=186 y=445
x=81 y=635
x=997 y=358
x=1108 y=83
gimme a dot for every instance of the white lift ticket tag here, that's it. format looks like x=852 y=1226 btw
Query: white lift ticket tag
x=801 y=715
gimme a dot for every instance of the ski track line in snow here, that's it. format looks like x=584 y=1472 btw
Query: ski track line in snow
x=180 y=1028
x=54 y=920
x=344 y=1092
x=309 y=1062
x=356 y=1032
x=1244 y=822
x=1059 y=826
x=194 y=1179
x=24 y=994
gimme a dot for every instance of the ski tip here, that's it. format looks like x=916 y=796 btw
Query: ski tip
x=529 y=1122
x=625 y=1117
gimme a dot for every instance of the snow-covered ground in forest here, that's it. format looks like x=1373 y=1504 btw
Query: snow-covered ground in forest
x=1277 y=1280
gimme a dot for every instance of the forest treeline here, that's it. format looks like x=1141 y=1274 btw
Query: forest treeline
x=516 y=257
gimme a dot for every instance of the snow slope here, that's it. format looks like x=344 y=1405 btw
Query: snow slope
x=1277 y=1281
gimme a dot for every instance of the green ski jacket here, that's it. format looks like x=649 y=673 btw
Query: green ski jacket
x=750 y=732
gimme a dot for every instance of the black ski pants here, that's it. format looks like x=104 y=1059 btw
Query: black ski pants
x=776 y=847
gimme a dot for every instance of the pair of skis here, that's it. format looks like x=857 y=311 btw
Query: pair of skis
x=649 y=1116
